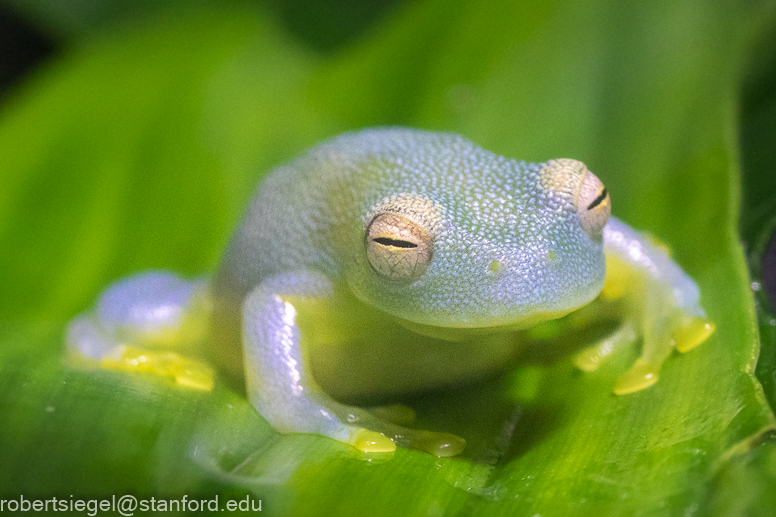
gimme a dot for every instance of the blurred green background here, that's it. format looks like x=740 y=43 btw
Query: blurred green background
x=138 y=135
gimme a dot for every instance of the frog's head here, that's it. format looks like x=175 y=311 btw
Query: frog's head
x=479 y=241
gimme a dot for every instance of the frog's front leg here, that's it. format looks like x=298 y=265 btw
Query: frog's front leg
x=659 y=300
x=280 y=383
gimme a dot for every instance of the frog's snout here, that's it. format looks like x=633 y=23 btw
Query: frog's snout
x=590 y=196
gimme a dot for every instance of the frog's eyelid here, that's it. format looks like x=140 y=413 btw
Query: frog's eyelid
x=597 y=201
x=397 y=247
x=385 y=241
x=593 y=206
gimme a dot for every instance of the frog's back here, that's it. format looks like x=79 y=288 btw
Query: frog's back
x=297 y=218
x=302 y=214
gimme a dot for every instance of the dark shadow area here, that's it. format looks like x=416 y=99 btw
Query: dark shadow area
x=537 y=422
x=757 y=225
x=330 y=24
x=22 y=48
x=324 y=25
x=546 y=351
x=478 y=411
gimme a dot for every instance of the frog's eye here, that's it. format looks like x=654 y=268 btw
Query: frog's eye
x=397 y=247
x=593 y=207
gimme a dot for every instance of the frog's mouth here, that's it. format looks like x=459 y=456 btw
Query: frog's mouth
x=463 y=332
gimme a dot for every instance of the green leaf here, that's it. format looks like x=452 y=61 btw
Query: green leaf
x=133 y=154
x=758 y=207
x=140 y=150
x=744 y=484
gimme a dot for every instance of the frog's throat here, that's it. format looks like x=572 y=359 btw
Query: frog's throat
x=462 y=333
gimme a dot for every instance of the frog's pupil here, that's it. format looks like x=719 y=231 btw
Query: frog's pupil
x=385 y=241
x=597 y=201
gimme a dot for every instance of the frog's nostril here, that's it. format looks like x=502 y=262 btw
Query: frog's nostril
x=593 y=206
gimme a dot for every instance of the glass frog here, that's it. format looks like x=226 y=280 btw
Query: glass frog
x=392 y=260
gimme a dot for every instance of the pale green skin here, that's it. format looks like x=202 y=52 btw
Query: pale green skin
x=310 y=217
x=297 y=295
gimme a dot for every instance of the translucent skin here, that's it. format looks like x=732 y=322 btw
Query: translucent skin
x=298 y=310
x=311 y=214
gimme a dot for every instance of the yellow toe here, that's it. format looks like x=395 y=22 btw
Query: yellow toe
x=372 y=441
x=187 y=372
x=640 y=376
x=588 y=360
x=693 y=333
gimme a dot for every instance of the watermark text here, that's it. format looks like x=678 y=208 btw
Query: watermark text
x=127 y=505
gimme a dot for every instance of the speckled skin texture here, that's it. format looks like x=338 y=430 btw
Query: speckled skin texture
x=311 y=214
x=394 y=260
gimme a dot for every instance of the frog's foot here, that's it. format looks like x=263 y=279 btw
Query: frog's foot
x=659 y=299
x=370 y=433
x=667 y=318
x=685 y=333
x=652 y=313
x=136 y=323
x=392 y=420
x=282 y=388
x=646 y=370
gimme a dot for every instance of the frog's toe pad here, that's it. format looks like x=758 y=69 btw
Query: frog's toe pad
x=589 y=359
x=376 y=440
x=442 y=445
x=692 y=333
x=435 y=443
x=372 y=441
x=186 y=372
x=640 y=376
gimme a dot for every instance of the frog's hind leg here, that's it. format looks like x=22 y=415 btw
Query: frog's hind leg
x=281 y=386
x=151 y=321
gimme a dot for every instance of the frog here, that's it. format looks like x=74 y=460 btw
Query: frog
x=389 y=261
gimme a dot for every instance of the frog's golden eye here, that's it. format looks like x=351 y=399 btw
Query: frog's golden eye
x=593 y=207
x=397 y=247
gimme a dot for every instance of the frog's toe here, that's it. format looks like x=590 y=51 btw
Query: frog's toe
x=358 y=427
x=372 y=441
x=387 y=436
x=641 y=375
x=374 y=432
x=443 y=445
x=589 y=359
x=432 y=442
x=693 y=331
x=656 y=348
